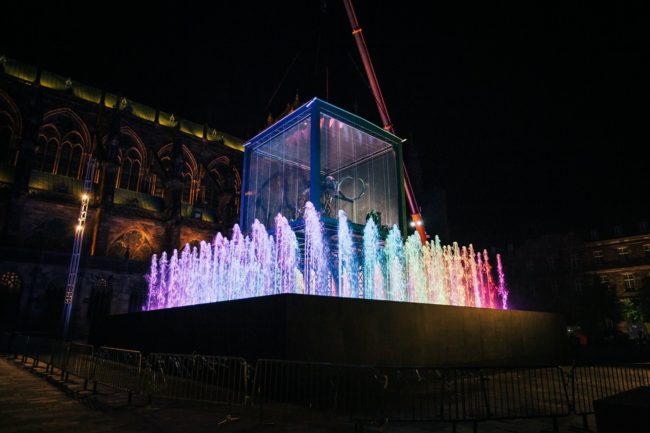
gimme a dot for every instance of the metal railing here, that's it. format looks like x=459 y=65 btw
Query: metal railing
x=79 y=361
x=39 y=349
x=118 y=368
x=364 y=393
x=215 y=379
x=373 y=394
x=58 y=355
x=312 y=385
x=521 y=392
x=589 y=383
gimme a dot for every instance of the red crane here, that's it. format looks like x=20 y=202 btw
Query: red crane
x=416 y=216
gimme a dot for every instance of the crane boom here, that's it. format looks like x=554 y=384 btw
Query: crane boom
x=416 y=216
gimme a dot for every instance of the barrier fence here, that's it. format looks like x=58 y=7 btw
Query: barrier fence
x=79 y=360
x=119 y=369
x=373 y=394
x=364 y=393
x=349 y=390
x=215 y=379
x=591 y=383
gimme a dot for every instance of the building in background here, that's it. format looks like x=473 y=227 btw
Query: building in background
x=161 y=182
x=559 y=272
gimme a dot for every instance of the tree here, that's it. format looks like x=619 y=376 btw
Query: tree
x=631 y=310
x=643 y=299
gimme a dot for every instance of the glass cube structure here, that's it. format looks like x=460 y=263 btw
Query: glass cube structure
x=326 y=155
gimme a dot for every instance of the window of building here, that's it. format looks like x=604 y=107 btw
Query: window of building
x=186 y=167
x=69 y=160
x=10 y=283
x=630 y=282
x=646 y=250
x=623 y=253
x=49 y=155
x=598 y=256
x=594 y=235
x=604 y=279
x=130 y=170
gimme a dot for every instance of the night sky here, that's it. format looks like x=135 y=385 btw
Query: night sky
x=524 y=115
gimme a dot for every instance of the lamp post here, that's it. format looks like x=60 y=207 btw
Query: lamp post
x=76 y=249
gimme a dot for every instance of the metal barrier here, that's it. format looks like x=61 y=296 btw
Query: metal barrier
x=591 y=383
x=525 y=392
x=119 y=369
x=469 y=394
x=79 y=361
x=354 y=391
x=364 y=393
x=39 y=349
x=197 y=377
x=58 y=355
x=378 y=394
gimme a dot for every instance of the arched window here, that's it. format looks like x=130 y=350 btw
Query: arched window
x=69 y=160
x=221 y=188
x=10 y=128
x=48 y=159
x=63 y=138
x=131 y=174
x=125 y=175
x=130 y=170
x=210 y=188
x=189 y=174
x=187 y=188
x=10 y=282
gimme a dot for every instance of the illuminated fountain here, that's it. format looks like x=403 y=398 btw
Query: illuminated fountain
x=323 y=203
x=261 y=264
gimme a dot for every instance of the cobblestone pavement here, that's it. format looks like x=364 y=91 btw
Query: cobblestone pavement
x=32 y=401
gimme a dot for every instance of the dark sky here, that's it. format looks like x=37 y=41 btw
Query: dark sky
x=522 y=114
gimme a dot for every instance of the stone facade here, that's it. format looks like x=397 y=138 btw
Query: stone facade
x=159 y=182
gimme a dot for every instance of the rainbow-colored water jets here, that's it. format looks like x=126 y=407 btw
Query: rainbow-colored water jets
x=261 y=264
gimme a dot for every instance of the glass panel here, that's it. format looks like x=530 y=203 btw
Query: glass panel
x=278 y=176
x=358 y=173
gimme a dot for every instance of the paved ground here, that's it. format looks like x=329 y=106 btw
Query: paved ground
x=31 y=401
